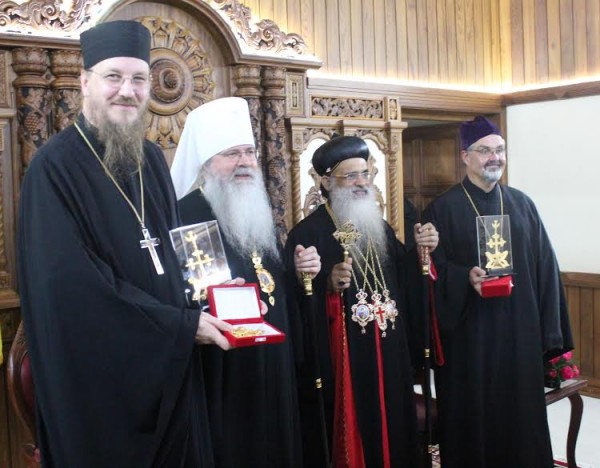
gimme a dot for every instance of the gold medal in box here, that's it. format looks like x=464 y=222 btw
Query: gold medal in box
x=240 y=306
x=201 y=256
x=495 y=254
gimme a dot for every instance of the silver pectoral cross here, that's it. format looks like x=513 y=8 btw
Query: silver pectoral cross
x=150 y=243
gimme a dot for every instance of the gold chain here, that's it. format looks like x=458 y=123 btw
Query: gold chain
x=475 y=207
x=139 y=217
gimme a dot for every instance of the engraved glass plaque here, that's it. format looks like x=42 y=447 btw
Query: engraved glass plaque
x=201 y=256
x=494 y=244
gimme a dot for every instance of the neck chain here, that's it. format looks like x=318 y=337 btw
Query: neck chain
x=363 y=311
x=473 y=203
x=147 y=242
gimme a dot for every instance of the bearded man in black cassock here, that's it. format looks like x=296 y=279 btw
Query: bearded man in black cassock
x=490 y=392
x=252 y=399
x=113 y=347
x=363 y=340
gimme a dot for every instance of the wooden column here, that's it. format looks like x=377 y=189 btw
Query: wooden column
x=33 y=100
x=247 y=81
x=276 y=159
x=66 y=66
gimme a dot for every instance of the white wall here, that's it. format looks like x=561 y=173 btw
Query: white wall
x=554 y=157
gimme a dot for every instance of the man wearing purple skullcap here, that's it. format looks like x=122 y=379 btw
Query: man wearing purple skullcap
x=496 y=331
x=114 y=347
x=366 y=310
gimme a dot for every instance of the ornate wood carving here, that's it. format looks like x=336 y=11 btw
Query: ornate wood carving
x=55 y=16
x=276 y=156
x=182 y=79
x=33 y=100
x=294 y=102
x=348 y=108
x=247 y=79
x=4 y=85
x=265 y=36
x=301 y=137
x=65 y=66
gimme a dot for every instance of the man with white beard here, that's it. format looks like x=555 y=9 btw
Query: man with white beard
x=251 y=391
x=113 y=346
x=368 y=311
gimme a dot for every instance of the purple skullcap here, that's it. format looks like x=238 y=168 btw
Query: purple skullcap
x=475 y=130
x=115 y=39
x=336 y=150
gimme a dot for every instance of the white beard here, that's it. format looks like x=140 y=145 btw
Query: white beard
x=243 y=212
x=365 y=215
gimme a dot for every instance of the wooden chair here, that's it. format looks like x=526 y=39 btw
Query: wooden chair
x=22 y=394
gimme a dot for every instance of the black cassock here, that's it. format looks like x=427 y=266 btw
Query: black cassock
x=396 y=348
x=251 y=395
x=491 y=389
x=117 y=374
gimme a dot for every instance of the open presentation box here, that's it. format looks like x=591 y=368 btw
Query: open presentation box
x=240 y=306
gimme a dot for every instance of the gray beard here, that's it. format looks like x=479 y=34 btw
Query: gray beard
x=124 y=147
x=244 y=213
x=365 y=215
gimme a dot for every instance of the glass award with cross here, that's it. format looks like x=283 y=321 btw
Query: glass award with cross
x=201 y=256
x=495 y=254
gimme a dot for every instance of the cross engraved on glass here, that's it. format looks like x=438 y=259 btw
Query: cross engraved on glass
x=201 y=256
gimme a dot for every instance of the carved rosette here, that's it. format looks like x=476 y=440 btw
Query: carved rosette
x=348 y=108
x=65 y=66
x=33 y=100
x=247 y=80
x=182 y=79
x=276 y=156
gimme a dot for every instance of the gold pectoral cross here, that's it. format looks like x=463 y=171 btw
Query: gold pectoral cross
x=149 y=242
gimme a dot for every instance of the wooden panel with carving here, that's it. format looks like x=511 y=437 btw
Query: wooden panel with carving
x=583 y=298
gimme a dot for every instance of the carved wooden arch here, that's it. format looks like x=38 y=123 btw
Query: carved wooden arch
x=387 y=137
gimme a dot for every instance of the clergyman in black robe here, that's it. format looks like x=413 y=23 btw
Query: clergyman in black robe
x=116 y=366
x=252 y=399
x=372 y=421
x=490 y=392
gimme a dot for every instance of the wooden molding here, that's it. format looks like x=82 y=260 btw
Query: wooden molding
x=552 y=94
x=582 y=280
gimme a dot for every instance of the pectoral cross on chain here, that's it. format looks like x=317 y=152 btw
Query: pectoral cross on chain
x=150 y=243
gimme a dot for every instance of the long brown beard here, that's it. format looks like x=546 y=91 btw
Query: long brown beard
x=124 y=147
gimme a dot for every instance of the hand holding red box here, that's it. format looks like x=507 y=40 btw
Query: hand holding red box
x=240 y=306
x=497 y=287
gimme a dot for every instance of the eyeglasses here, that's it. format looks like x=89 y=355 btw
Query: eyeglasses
x=353 y=176
x=116 y=80
x=487 y=152
x=238 y=153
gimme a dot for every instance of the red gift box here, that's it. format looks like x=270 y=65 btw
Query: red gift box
x=240 y=306
x=497 y=287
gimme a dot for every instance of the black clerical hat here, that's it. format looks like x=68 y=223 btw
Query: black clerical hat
x=475 y=130
x=115 y=39
x=336 y=150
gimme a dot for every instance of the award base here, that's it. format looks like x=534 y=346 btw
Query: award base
x=497 y=287
x=240 y=306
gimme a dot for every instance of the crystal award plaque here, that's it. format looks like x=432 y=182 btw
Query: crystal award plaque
x=494 y=245
x=201 y=256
